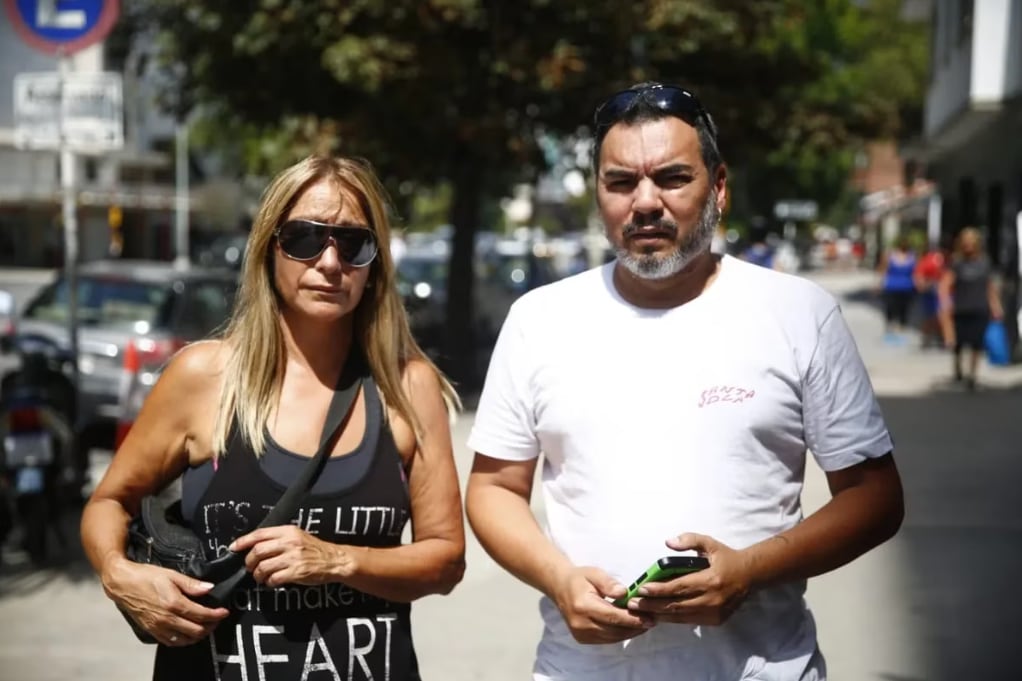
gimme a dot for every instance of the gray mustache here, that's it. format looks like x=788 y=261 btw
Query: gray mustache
x=656 y=225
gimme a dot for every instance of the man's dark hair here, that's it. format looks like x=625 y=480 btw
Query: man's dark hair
x=641 y=110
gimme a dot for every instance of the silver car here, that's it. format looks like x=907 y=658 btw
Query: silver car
x=132 y=316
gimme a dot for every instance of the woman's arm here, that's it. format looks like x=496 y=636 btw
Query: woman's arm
x=881 y=271
x=944 y=306
x=154 y=453
x=432 y=563
x=994 y=299
x=435 y=560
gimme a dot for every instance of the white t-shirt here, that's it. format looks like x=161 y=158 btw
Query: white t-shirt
x=698 y=418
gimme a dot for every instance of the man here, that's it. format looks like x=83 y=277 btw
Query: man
x=674 y=395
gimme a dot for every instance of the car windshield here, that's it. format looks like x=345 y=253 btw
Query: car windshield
x=412 y=271
x=103 y=302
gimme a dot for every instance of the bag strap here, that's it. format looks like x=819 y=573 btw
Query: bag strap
x=340 y=405
x=233 y=564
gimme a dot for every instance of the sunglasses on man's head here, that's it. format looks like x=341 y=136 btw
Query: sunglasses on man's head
x=669 y=99
x=306 y=240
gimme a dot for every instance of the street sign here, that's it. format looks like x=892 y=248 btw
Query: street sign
x=62 y=26
x=795 y=210
x=89 y=113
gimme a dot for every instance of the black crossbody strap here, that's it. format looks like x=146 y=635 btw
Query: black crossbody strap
x=283 y=511
x=233 y=564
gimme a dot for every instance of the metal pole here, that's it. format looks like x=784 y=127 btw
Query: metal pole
x=181 y=197
x=70 y=213
x=933 y=220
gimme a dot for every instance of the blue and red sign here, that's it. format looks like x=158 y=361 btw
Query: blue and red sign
x=62 y=26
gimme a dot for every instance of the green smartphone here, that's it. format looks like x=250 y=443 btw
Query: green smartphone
x=663 y=570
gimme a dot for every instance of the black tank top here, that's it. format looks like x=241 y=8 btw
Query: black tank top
x=304 y=632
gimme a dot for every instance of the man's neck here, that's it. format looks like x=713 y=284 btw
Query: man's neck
x=678 y=289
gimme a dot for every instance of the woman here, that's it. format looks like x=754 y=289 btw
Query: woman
x=968 y=299
x=898 y=287
x=241 y=415
x=928 y=273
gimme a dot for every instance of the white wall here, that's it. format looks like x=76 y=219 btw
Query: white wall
x=980 y=72
x=991 y=46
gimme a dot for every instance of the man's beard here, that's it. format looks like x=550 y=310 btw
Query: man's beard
x=655 y=266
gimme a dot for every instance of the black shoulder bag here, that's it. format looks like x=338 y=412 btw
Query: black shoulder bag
x=159 y=536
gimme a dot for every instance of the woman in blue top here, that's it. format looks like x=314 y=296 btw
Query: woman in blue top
x=898 y=287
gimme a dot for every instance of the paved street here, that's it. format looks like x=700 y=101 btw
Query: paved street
x=934 y=604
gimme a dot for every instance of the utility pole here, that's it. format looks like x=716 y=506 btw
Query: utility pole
x=181 y=207
x=70 y=213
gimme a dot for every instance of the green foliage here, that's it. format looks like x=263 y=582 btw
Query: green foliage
x=409 y=80
x=412 y=84
x=870 y=85
x=454 y=92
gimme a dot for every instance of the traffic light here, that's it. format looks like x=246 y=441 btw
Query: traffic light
x=115 y=219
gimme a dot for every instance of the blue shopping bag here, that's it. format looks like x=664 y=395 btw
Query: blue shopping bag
x=996 y=342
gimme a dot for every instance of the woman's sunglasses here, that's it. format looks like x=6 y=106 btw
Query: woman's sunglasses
x=306 y=240
x=672 y=100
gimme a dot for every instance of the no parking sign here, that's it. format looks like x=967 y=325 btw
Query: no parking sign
x=62 y=26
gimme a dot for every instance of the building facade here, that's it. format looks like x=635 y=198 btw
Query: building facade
x=973 y=128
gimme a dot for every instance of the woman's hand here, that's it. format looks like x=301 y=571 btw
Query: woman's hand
x=158 y=600
x=709 y=596
x=288 y=555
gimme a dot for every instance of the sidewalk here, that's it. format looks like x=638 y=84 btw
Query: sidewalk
x=899 y=370
x=928 y=605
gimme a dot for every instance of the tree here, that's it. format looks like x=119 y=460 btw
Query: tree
x=871 y=85
x=456 y=90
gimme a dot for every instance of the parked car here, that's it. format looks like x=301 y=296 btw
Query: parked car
x=7 y=312
x=132 y=315
x=501 y=276
x=227 y=250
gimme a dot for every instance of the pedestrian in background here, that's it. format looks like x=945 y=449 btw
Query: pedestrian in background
x=240 y=416
x=927 y=275
x=970 y=299
x=759 y=251
x=674 y=395
x=897 y=287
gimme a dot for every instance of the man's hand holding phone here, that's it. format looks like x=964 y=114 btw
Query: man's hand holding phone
x=708 y=596
x=581 y=596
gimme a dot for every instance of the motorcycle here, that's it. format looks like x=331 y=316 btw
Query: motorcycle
x=37 y=468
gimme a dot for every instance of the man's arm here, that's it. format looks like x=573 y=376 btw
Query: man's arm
x=865 y=510
x=497 y=503
x=845 y=431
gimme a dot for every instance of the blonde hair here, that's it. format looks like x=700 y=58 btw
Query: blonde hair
x=967 y=233
x=970 y=233
x=254 y=370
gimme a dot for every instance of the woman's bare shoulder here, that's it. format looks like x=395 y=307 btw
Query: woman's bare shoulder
x=197 y=365
x=419 y=375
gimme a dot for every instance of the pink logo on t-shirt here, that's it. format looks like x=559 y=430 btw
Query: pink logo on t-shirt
x=725 y=393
